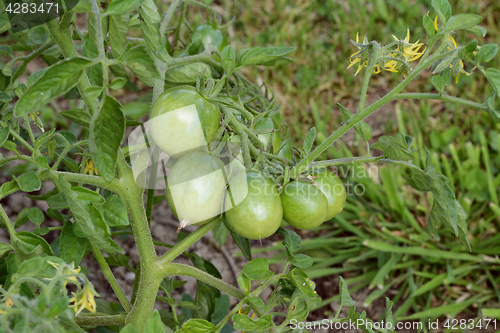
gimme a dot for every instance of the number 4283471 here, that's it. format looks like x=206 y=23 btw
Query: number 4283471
x=455 y=324
x=25 y=8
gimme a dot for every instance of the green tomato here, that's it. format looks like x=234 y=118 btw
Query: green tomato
x=304 y=205
x=267 y=123
x=334 y=190
x=195 y=187
x=188 y=73
x=181 y=120
x=260 y=213
x=207 y=34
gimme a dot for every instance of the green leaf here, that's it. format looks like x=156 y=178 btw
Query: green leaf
x=256 y=301
x=107 y=129
x=187 y=305
x=428 y=26
x=220 y=233
x=71 y=247
x=41 y=231
x=118 y=260
x=462 y=21
x=492 y=110
x=4 y=134
x=362 y=128
x=309 y=140
x=22 y=217
x=154 y=323
x=266 y=56
x=438 y=83
x=8 y=188
x=298 y=308
x=128 y=329
x=301 y=281
x=245 y=323
x=118 y=83
x=197 y=326
x=118 y=32
x=150 y=19
x=93 y=91
x=292 y=241
x=395 y=148
x=42 y=139
x=245 y=283
x=345 y=298
x=29 y=182
x=242 y=242
x=58 y=306
x=5 y=249
x=78 y=116
x=114 y=211
x=118 y=7
x=228 y=58
x=141 y=64
x=57 y=80
x=443 y=8
x=258 y=269
x=4 y=97
x=84 y=221
x=486 y=53
x=6 y=50
x=36 y=76
x=9 y=145
x=493 y=76
x=36 y=215
x=29 y=243
x=477 y=30
x=85 y=196
x=302 y=261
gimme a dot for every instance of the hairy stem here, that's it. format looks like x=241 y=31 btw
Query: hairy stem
x=440 y=97
x=94 y=320
x=108 y=274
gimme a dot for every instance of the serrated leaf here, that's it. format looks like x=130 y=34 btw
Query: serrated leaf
x=141 y=64
x=395 y=148
x=107 y=129
x=84 y=221
x=443 y=8
x=57 y=80
x=309 y=140
x=149 y=24
x=462 y=21
x=245 y=323
x=302 y=261
x=118 y=7
x=486 y=53
x=118 y=32
x=114 y=211
x=266 y=56
x=292 y=241
x=258 y=269
x=345 y=298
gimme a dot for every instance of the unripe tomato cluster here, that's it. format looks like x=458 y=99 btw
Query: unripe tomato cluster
x=205 y=182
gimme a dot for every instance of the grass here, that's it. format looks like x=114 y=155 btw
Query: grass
x=380 y=240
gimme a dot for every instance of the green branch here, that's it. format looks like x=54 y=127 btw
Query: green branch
x=440 y=97
x=94 y=320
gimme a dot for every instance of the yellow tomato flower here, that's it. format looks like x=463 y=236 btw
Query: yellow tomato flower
x=90 y=168
x=357 y=60
x=67 y=271
x=9 y=302
x=410 y=50
x=32 y=116
x=84 y=299
x=460 y=62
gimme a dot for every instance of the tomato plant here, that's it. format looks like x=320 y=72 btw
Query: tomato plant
x=230 y=168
